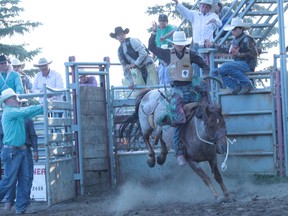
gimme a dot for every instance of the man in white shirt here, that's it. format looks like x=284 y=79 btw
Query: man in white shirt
x=204 y=23
x=50 y=77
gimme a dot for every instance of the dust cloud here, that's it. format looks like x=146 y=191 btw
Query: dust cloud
x=171 y=189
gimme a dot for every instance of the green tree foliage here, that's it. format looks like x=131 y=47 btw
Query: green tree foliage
x=11 y=25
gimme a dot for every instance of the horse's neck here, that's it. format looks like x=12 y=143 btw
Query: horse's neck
x=199 y=126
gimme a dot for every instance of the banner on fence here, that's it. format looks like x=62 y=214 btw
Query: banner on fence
x=38 y=190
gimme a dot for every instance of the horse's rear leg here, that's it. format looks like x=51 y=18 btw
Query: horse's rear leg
x=218 y=178
x=151 y=154
x=195 y=166
x=162 y=157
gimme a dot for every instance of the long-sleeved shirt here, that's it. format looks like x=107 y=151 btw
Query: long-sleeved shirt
x=53 y=80
x=11 y=79
x=143 y=56
x=13 y=123
x=31 y=136
x=201 y=30
x=165 y=54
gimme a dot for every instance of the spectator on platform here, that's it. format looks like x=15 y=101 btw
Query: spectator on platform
x=223 y=12
x=8 y=77
x=49 y=77
x=88 y=81
x=26 y=81
x=164 y=32
x=244 y=52
x=14 y=150
x=135 y=59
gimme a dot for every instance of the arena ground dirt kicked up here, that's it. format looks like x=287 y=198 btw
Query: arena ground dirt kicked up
x=260 y=196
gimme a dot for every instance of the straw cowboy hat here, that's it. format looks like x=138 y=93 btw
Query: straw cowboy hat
x=7 y=93
x=179 y=38
x=236 y=22
x=16 y=62
x=41 y=62
x=118 y=30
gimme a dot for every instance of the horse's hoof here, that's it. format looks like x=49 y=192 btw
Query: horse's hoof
x=224 y=199
x=151 y=163
x=161 y=160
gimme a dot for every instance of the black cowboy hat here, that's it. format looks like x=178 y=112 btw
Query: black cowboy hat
x=3 y=59
x=119 y=30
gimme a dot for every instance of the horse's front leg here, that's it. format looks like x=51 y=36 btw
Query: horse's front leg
x=195 y=166
x=218 y=177
x=151 y=154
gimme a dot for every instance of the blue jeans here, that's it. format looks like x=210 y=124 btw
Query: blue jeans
x=188 y=95
x=15 y=169
x=163 y=74
x=233 y=73
x=11 y=195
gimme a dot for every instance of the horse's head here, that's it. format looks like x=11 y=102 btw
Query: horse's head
x=215 y=126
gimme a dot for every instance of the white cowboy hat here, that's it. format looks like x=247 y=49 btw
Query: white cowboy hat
x=236 y=22
x=16 y=61
x=7 y=93
x=179 y=38
x=209 y=2
x=41 y=62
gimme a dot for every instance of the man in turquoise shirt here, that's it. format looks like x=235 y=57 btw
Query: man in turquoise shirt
x=8 y=77
x=164 y=32
x=13 y=154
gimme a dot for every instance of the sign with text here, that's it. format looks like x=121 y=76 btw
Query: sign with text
x=38 y=190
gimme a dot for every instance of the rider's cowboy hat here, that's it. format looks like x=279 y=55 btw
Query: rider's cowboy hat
x=236 y=22
x=7 y=93
x=118 y=30
x=41 y=62
x=179 y=38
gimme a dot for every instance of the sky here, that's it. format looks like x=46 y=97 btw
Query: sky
x=82 y=28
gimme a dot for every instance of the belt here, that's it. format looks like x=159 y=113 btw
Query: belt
x=23 y=147
x=180 y=83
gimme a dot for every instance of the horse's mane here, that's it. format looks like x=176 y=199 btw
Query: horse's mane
x=204 y=108
x=132 y=122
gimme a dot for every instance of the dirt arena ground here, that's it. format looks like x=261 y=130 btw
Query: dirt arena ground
x=257 y=196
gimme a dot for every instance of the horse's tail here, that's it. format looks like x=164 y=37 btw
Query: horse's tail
x=133 y=119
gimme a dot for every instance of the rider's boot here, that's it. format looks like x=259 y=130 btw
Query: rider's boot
x=178 y=146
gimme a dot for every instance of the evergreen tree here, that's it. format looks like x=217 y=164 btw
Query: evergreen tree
x=11 y=25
